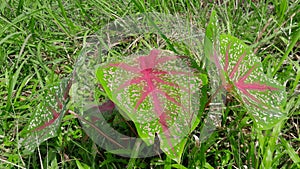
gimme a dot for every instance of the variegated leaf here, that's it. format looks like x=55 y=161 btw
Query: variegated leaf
x=159 y=93
x=47 y=117
x=241 y=74
x=262 y=95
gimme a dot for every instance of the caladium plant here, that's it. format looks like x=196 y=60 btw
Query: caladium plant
x=159 y=93
x=46 y=120
x=263 y=96
x=47 y=116
x=242 y=75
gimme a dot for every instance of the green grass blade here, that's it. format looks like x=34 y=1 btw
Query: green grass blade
x=291 y=152
x=294 y=40
x=9 y=36
x=12 y=83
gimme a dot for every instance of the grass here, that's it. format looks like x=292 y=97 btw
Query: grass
x=41 y=40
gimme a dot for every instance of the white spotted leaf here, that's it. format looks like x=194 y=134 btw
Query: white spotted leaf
x=159 y=93
x=240 y=72
x=243 y=76
x=47 y=116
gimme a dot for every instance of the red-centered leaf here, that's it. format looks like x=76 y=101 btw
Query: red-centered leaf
x=106 y=107
x=159 y=93
x=262 y=96
x=47 y=116
x=55 y=115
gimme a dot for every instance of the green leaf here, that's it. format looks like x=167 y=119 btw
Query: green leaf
x=263 y=96
x=211 y=36
x=47 y=116
x=178 y=166
x=291 y=152
x=159 y=93
x=240 y=72
x=81 y=165
x=211 y=49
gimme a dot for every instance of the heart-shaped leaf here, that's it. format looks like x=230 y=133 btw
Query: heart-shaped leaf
x=262 y=95
x=159 y=93
x=47 y=116
x=241 y=73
